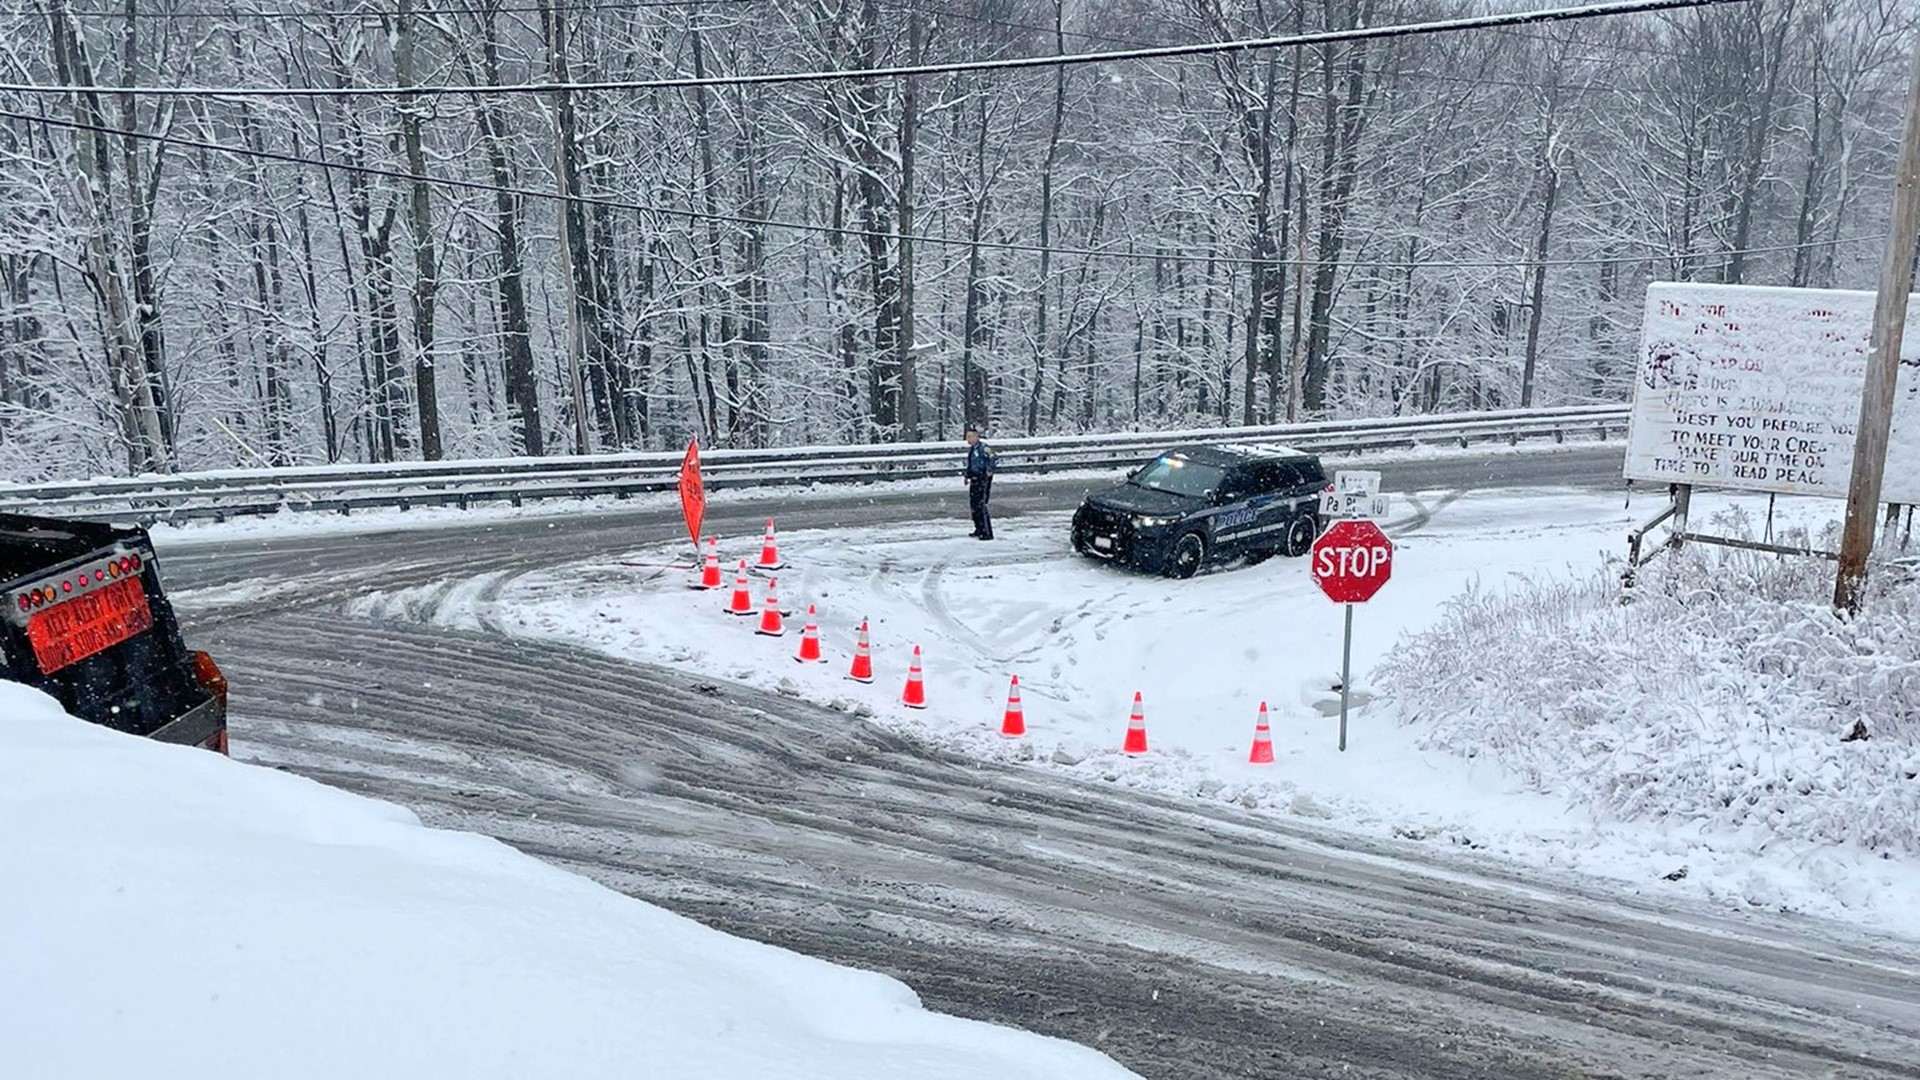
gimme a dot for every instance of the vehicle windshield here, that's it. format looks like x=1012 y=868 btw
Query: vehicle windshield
x=1179 y=475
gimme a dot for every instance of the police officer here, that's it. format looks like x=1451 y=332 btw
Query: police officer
x=979 y=483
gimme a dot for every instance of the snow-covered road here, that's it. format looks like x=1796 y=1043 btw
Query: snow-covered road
x=1187 y=939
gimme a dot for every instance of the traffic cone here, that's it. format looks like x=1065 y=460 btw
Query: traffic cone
x=915 y=696
x=1262 y=741
x=1136 y=729
x=769 y=554
x=1014 y=724
x=862 y=658
x=810 y=642
x=742 y=603
x=771 y=623
x=710 y=573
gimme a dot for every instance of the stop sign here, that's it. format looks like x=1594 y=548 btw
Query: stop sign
x=1352 y=560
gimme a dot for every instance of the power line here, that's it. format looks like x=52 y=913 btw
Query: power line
x=371 y=12
x=1158 y=52
x=831 y=230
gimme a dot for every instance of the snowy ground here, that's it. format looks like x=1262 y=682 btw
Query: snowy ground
x=168 y=912
x=1084 y=637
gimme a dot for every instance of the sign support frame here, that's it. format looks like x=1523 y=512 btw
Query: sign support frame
x=1346 y=676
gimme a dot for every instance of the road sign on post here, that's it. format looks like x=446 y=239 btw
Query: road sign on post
x=1353 y=504
x=1351 y=560
x=1354 y=493
x=1356 y=482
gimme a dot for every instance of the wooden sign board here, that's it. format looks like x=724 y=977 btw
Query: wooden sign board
x=1758 y=389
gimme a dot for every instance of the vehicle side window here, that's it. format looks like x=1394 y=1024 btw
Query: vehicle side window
x=1275 y=476
x=1239 y=484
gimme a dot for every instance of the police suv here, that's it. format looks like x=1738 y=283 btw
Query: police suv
x=1198 y=504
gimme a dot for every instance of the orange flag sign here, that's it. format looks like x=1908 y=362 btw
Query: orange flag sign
x=693 y=492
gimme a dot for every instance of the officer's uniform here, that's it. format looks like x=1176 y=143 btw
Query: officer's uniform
x=980 y=487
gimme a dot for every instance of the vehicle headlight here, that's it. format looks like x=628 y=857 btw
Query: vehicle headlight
x=1143 y=521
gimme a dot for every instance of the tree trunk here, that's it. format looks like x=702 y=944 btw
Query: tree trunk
x=516 y=345
x=1340 y=154
x=1537 y=303
x=1040 y=329
x=309 y=273
x=1257 y=139
x=1811 y=185
x=141 y=194
x=1759 y=132
x=426 y=281
x=1549 y=196
x=106 y=263
x=574 y=263
x=909 y=132
x=710 y=203
x=973 y=379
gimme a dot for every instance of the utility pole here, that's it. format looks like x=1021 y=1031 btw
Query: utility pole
x=1883 y=362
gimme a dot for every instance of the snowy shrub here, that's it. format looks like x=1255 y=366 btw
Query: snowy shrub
x=1718 y=690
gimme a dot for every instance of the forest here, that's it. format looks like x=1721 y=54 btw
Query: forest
x=276 y=232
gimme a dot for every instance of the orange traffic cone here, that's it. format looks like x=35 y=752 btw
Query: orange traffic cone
x=742 y=602
x=769 y=554
x=915 y=696
x=710 y=573
x=1136 y=729
x=1262 y=741
x=810 y=642
x=770 y=622
x=862 y=658
x=1014 y=724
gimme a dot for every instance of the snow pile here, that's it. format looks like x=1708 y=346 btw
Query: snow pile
x=169 y=912
x=1717 y=691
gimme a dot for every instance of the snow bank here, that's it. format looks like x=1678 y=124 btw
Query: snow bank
x=164 y=911
x=1717 y=691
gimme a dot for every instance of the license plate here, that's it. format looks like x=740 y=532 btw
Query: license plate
x=86 y=625
x=1104 y=543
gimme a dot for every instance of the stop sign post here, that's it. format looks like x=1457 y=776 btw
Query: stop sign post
x=1351 y=560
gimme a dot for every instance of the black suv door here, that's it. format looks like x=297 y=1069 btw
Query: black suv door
x=1278 y=507
x=1296 y=488
x=1256 y=509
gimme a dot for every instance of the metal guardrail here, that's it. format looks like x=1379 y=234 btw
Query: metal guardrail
x=221 y=494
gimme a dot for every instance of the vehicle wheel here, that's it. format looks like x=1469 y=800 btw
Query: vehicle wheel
x=1188 y=553
x=1300 y=535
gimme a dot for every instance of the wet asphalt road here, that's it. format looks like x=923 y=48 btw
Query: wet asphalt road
x=1186 y=940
